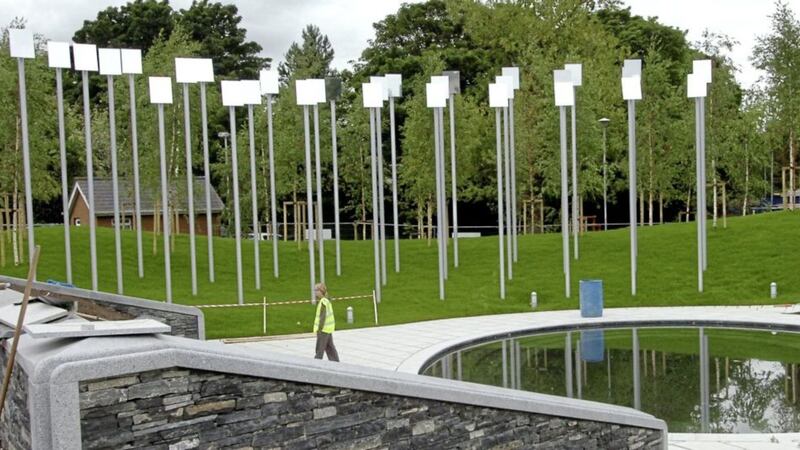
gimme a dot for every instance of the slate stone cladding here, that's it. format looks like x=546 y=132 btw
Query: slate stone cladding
x=185 y=409
x=15 y=422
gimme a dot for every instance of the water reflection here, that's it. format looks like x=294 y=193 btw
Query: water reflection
x=698 y=380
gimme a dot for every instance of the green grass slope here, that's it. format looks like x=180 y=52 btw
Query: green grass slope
x=743 y=260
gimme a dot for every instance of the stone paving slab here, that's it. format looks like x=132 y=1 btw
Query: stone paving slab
x=407 y=347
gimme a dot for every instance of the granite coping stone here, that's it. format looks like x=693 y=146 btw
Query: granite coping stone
x=101 y=328
x=56 y=366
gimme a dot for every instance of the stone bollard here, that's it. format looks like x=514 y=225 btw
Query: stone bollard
x=773 y=290
x=349 y=314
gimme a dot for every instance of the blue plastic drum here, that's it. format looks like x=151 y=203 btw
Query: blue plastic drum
x=591 y=298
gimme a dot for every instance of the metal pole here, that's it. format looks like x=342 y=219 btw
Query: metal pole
x=374 y=178
x=137 y=203
x=443 y=193
x=237 y=227
x=26 y=159
x=207 y=173
x=273 y=203
x=632 y=188
x=564 y=201
x=568 y=359
x=605 y=180
x=507 y=159
x=394 y=187
x=498 y=127
x=505 y=363
x=164 y=201
x=698 y=170
x=189 y=185
x=578 y=369
x=381 y=198
x=319 y=236
x=575 y=225
x=62 y=145
x=439 y=221
x=453 y=185
x=637 y=391
x=703 y=180
x=513 y=205
x=87 y=121
x=254 y=198
x=112 y=125
x=336 y=187
x=309 y=206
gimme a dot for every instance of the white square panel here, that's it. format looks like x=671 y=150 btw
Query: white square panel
x=317 y=86
x=632 y=68
x=563 y=89
x=381 y=81
x=231 y=93
x=695 y=86
x=433 y=93
x=58 y=55
x=205 y=70
x=250 y=91
x=373 y=95
x=269 y=82
x=185 y=70
x=85 y=57
x=303 y=92
x=702 y=68
x=512 y=72
x=160 y=90
x=21 y=43
x=110 y=61
x=576 y=72
x=395 y=83
x=508 y=82
x=498 y=95
x=131 y=60
x=442 y=87
x=632 y=88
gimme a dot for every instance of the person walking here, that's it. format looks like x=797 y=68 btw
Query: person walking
x=324 y=324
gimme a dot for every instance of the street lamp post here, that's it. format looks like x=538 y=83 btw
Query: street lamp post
x=604 y=122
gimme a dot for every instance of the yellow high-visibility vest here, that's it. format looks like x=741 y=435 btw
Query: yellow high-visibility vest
x=330 y=322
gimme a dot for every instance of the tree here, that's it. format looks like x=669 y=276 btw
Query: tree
x=134 y=25
x=311 y=59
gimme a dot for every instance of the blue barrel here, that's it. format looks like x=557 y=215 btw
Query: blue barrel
x=592 y=345
x=591 y=298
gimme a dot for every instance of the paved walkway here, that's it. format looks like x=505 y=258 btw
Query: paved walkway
x=406 y=348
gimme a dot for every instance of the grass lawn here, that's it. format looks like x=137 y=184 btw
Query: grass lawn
x=743 y=260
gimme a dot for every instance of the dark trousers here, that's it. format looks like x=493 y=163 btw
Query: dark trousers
x=325 y=345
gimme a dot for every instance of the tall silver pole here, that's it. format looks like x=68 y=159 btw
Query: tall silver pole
x=273 y=203
x=605 y=179
x=62 y=146
x=164 y=201
x=26 y=157
x=439 y=208
x=254 y=198
x=237 y=228
x=575 y=224
x=453 y=185
x=632 y=188
x=704 y=197
x=507 y=158
x=381 y=197
x=568 y=362
x=319 y=236
x=637 y=390
x=498 y=127
x=112 y=125
x=578 y=369
x=698 y=170
x=207 y=174
x=513 y=158
x=443 y=193
x=87 y=122
x=564 y=200
x=394 y=187
x=309 y=206
x=137 y=203
x=189 y=185
x=375 y=244
x=335 y=152
x=503 y=347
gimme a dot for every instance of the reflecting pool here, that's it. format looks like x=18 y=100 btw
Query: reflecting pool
x=709 y=380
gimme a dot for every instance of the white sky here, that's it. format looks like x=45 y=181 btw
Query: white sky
x=348 y=23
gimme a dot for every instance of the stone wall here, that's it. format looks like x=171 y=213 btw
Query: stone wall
x=15 y=422
x=186 y=408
